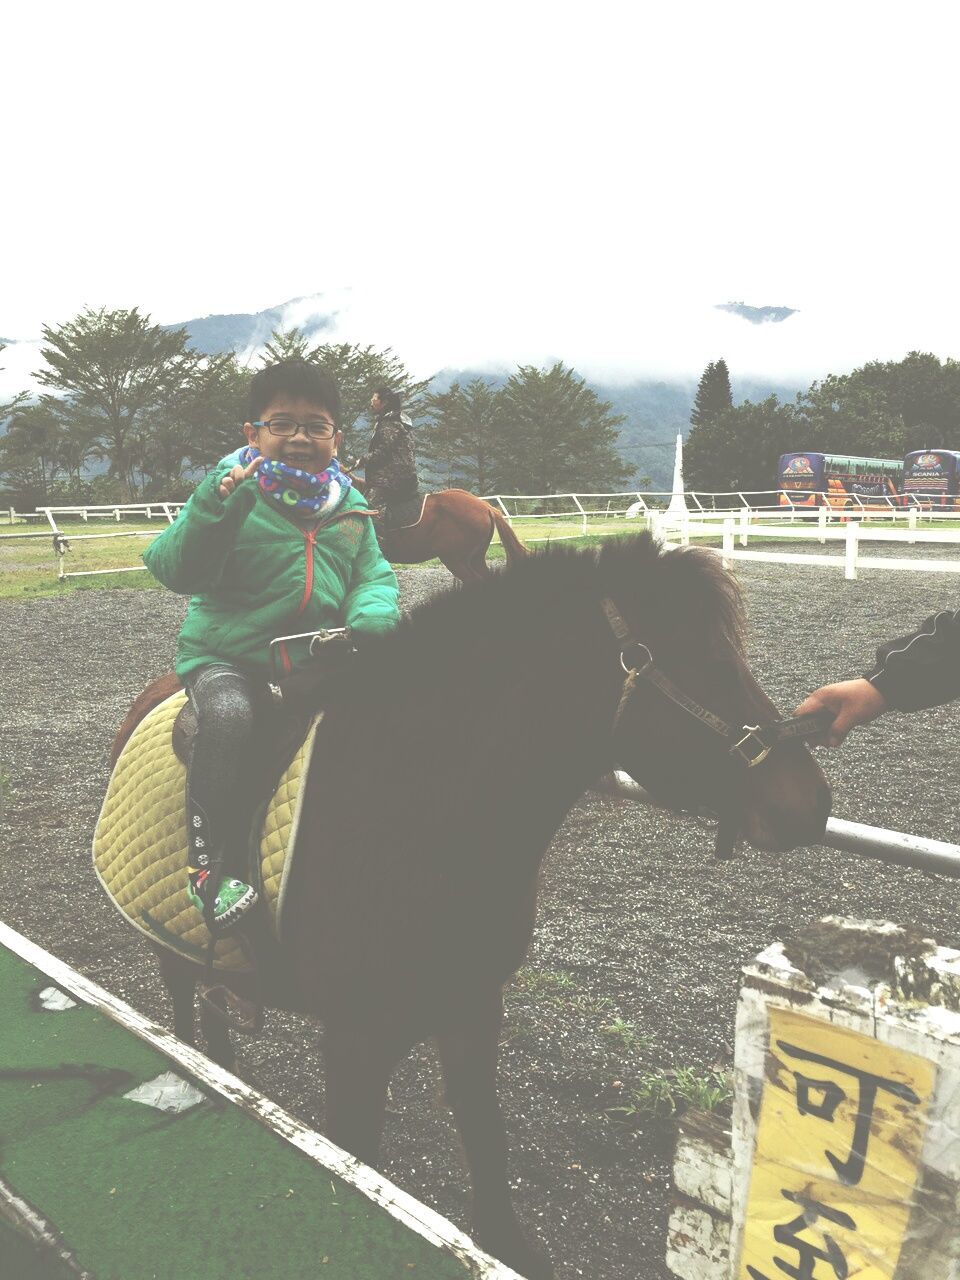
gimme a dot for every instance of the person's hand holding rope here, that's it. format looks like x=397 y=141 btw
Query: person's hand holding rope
x=851 y=702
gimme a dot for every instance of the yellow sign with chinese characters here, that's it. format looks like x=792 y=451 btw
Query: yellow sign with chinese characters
x=842 y=1121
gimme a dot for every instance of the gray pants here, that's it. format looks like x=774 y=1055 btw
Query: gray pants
x=217 y=813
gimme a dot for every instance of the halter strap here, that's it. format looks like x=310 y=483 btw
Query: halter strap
x=751 y=743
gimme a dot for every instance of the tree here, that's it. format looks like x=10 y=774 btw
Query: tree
x=30 y=453
x=713 y=393
x=848 y=415
x=886 y=408
x=738 y=448
x=18 y=400
x=116 y=373
x=358 y=372
x=556 y=435
x=212 y=416
x=463 y=435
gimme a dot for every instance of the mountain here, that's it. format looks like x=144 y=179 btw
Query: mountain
x=757 y=315
x=245 y=331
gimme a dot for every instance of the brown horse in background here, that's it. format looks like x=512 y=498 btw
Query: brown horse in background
x=446 y=760
x=456 y=528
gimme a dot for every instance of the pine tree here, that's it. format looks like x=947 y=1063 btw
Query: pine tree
x=713 y=393
x=557 y=435
x=462 y=436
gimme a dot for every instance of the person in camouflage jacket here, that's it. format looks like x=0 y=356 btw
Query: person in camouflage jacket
x=389 y=465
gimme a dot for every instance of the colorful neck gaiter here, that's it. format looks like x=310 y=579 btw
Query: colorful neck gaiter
x=305 y=493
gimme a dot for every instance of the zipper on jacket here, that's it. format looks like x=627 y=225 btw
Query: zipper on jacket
x=309 y=538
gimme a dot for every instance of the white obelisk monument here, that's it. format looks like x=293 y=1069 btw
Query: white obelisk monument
x=678 y=504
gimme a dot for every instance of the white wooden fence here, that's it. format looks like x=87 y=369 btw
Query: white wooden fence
x=727 y=517
x=729 y=529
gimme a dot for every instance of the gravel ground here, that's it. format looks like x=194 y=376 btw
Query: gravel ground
x=640 y=937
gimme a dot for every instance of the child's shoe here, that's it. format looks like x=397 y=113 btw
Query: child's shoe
x=233 y=901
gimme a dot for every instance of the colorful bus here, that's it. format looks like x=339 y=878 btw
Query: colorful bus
x=933 y=477
x=837 y=480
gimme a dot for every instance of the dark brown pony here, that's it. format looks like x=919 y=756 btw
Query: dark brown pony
x=455 y=528
x=443 y=767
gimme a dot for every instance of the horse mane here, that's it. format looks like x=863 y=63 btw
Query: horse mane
x=684 y=591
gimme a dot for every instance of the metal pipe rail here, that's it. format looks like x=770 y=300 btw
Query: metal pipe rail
x=895 y=847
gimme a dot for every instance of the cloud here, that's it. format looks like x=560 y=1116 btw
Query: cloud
x=605 y=331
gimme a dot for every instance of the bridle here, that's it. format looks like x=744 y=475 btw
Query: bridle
x=750 y=744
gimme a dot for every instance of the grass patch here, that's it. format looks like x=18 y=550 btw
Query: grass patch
x=624 y=1035
x=669 y=1093
x=29 y=567
x=543 y=982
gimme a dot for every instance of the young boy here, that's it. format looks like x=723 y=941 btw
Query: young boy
x=273 y=542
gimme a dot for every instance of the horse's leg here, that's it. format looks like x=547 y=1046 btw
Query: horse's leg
x=179 y=977
x=461 y=568
x=468 y=1054
x=216 y=1034
x=357 y=1068
x=466 y=543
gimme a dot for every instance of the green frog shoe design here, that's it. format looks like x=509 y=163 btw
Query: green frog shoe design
x=233 y=902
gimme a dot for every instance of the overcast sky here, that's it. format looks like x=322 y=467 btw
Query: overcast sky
x=496 y=182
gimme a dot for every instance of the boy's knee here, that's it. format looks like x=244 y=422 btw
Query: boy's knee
x=234 y=713
x=225 y=703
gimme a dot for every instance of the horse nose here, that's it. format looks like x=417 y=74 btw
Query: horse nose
x=812 y=821
x=793 y=815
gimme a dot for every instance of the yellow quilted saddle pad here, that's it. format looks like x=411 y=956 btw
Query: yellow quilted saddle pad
x=140 y=844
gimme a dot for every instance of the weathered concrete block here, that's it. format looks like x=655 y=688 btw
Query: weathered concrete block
x=698 y=1243
x=846 y=1123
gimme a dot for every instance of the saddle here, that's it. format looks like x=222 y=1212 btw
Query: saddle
x=400 y=514
x=140 y=842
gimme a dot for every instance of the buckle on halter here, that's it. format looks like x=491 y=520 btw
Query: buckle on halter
x=746 y=752
x=644 y=666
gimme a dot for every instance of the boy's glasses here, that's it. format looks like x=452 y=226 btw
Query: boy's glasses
x=315 y=428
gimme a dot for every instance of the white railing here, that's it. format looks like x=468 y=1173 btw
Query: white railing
x=896 y=847
x=852 y=533
x=625 y=503
x=165 y=510
x=13 y=516
x=62 y=541
x=706 y=515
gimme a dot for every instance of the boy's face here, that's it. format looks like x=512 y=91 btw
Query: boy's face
x=300 y=450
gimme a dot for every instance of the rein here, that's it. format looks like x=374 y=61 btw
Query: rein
x=748 y=743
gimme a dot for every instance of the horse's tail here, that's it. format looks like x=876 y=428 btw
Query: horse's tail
x=512 y=545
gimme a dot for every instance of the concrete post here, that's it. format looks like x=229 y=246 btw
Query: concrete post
x=845 y=1135
x=822 y=525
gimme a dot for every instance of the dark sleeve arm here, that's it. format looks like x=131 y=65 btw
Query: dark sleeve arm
x=190 y=555
x=923 y=669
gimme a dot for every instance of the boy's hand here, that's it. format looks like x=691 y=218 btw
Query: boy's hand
x=852 y=702
x=234 y=477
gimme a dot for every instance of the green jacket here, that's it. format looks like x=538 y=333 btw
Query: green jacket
x=254 y=574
